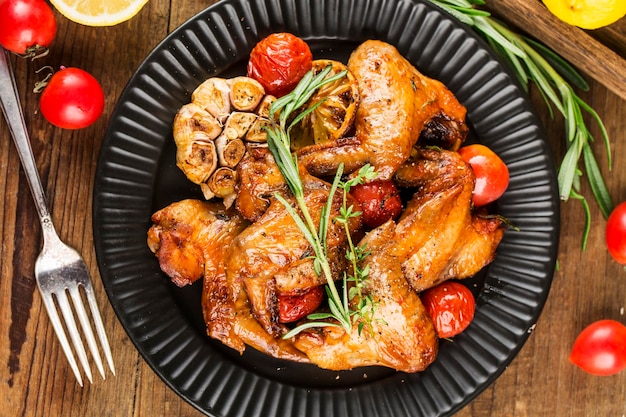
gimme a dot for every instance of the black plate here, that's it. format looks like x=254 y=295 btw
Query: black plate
x=137 y=175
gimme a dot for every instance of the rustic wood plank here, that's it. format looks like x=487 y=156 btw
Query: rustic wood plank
x=573 y=44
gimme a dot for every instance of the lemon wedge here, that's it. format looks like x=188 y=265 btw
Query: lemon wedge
x=98 y=12
x=587 y=14
x=334 y=116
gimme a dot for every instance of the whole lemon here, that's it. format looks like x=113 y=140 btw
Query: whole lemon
x=587 y=14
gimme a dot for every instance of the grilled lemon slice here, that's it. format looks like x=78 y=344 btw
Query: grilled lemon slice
x=334 y=116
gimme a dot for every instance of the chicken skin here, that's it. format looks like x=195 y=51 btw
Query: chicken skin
x=401 y=334
x=397 y=103
x=452 y=241
x=436 y=238
x=187 y=238
x=272 y=256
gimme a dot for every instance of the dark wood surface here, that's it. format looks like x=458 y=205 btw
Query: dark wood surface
x=35 y=379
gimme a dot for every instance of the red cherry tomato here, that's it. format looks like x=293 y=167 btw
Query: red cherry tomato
x=279 y=62
x=27 y=27
x=492 y=174
x=379 y=202
x=616 y=233
x=295 y=307
x=73 y=99
x=600 y=348
x=451 y=305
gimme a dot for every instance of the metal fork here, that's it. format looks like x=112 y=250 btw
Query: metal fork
x=59 y=269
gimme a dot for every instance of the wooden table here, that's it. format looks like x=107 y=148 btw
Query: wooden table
x=34 y=376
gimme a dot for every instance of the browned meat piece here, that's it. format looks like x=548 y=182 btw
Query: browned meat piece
x=436 y=238
x=402 y=336
x=188 y=236
x=229 y=319
x=259 y=179
x=397 y=102
x=272 y=255
x=443 y=132
x=191 y=239
x=451 y=242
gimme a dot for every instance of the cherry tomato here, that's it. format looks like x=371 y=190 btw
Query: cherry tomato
x=616 y=233
x=295 y=307
x=379 y=202
x=492 y=174
x=279 y=62
x=73 y=99
x=600 y=348
x=451 y=305
x=27 y=27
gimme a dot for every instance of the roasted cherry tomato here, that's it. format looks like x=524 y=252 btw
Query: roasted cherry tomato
x=451 y=305
x=616 y=233
x=379 y=202
x=600 y=348
x=295 y=307
x=27 y=27
x=492 y=174
x=279 y=62
x=73 y=99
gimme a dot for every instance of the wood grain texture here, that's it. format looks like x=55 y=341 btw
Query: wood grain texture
x=574 y=44
x=35 y=380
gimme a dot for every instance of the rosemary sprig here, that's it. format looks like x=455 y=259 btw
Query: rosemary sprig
x=532 y=61
x=279 y=142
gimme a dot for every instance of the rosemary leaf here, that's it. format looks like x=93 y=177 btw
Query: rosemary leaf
x=567 y=170
x=488 y=28
x=587 y=212
x=596 y=183
x=605 y=134
x=326 y=210
x=559 y=64
x=308 y=325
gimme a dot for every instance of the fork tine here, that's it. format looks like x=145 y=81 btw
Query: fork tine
x=60 y=332
x=97 y=319
x=70 y=323
x=87 y=331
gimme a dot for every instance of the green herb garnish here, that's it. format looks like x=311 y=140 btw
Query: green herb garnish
x=279 y=142
x=554 y=77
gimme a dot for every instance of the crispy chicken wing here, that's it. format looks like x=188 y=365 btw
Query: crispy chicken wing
x=191 y=239
x=402 y=335
x=436 y=238
x=397 y=103
x=273 y=256
x=452 y=241
x=188 y=236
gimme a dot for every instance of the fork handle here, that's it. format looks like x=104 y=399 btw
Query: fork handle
x=12 y=110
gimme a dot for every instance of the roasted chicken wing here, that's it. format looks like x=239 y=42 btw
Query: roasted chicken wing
x=452 y=241
x=436 y=238
x=191 y=239
x=401 y=336
x=188 y=237
x=272 y=256
x=397 y=103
